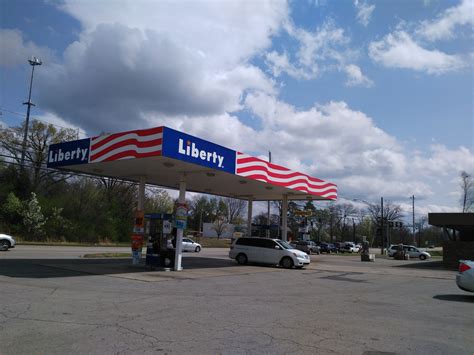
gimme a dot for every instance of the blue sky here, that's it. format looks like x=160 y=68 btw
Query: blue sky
x=376 y=96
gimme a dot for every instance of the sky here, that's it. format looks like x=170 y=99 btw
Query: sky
x=376 y=96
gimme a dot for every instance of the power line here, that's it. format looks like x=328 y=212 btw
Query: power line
x=36 y=118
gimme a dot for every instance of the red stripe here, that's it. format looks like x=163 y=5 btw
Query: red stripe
x=132 y=153
x=132 y=141
x=141 y=133
x=253 y=159
x=276 y=175
x=285 y=184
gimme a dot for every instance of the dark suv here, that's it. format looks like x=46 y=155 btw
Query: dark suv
x=328 y=248
x=309 y=247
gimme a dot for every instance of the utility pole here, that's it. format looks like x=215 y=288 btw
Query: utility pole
x=413 y=222
x=268 y=202
x=381 y=225
x=33 y=62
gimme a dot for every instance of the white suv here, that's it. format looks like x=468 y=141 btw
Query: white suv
x=267 y=251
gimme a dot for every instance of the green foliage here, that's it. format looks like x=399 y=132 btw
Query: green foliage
x=33 y=218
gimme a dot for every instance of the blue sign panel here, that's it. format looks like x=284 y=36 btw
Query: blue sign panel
x=191 y=149
x=69 y=153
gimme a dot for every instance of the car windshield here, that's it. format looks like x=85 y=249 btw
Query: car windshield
x=284 y=245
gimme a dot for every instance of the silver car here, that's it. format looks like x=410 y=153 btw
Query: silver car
x=411 y=250
x=7 y=241
x=191 y=245
x=465 y=277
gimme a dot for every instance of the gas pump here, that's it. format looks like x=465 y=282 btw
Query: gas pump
x=160 y=250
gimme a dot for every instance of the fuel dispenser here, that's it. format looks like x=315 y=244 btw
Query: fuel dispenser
x=160 y=249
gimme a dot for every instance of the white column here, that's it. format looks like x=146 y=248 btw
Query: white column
x=249 y=217
x=179 y=232
x=284 y=218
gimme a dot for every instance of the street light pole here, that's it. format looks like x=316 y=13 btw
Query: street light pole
x=414 y=236
x=381 y=225
x=33 y=62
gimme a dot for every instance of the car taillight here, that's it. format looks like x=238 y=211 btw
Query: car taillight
x=463 y=267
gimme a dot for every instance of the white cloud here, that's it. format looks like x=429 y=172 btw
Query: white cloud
x=443 y=161
x=193 y=68
x=16 y=51
x=444 y=25
x=322 y=49
x=355 y=76
x=364 y=12
x=399 y=50
x=225 y=33
x=59 y=123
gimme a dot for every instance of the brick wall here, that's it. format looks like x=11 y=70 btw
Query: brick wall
x=455 y=251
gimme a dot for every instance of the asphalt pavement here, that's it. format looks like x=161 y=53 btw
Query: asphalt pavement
x=56 y=302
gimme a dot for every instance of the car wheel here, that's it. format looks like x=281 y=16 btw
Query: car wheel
x=198 y=249
x=5 y=243
x=241 y=259
x=286 y=262
x=422 y=257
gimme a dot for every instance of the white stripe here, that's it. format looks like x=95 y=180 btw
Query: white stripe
x=283 y=180
x=125 y=137
x=294 y=186
x=125 y=148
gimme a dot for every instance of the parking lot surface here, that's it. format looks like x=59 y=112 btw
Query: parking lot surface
x=55 y=302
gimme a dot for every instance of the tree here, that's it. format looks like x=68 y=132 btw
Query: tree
x=220 y=226
x=467 y=197
x=40 y=136
x=235 y=209
x=33 y=218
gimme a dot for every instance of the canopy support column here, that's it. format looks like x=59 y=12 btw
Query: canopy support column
x=180 y=231
x=249 y=217
x=284 y=218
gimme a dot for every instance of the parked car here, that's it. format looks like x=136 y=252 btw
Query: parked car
x=465 y=276
x=267 y=251
x=328 y=248
x=191 y=245
x=339 y=246
x=7 y=241
x=308 y=246
x=350 y=247
x=411 y=250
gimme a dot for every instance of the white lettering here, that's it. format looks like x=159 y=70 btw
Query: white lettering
x=191 y=150
x=180 y=147
x=84 y=153
x=67 y=155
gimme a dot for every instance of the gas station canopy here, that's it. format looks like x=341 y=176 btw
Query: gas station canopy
x=163 y=156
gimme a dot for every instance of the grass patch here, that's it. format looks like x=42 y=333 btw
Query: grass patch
x=107 y=255
x=71 y=244
x=213 y=242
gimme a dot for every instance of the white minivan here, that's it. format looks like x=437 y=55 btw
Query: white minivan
x=267 y=251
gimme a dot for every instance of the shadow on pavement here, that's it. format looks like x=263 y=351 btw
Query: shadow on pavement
x=50 y=268
x=436 y=265
x=455 y=298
